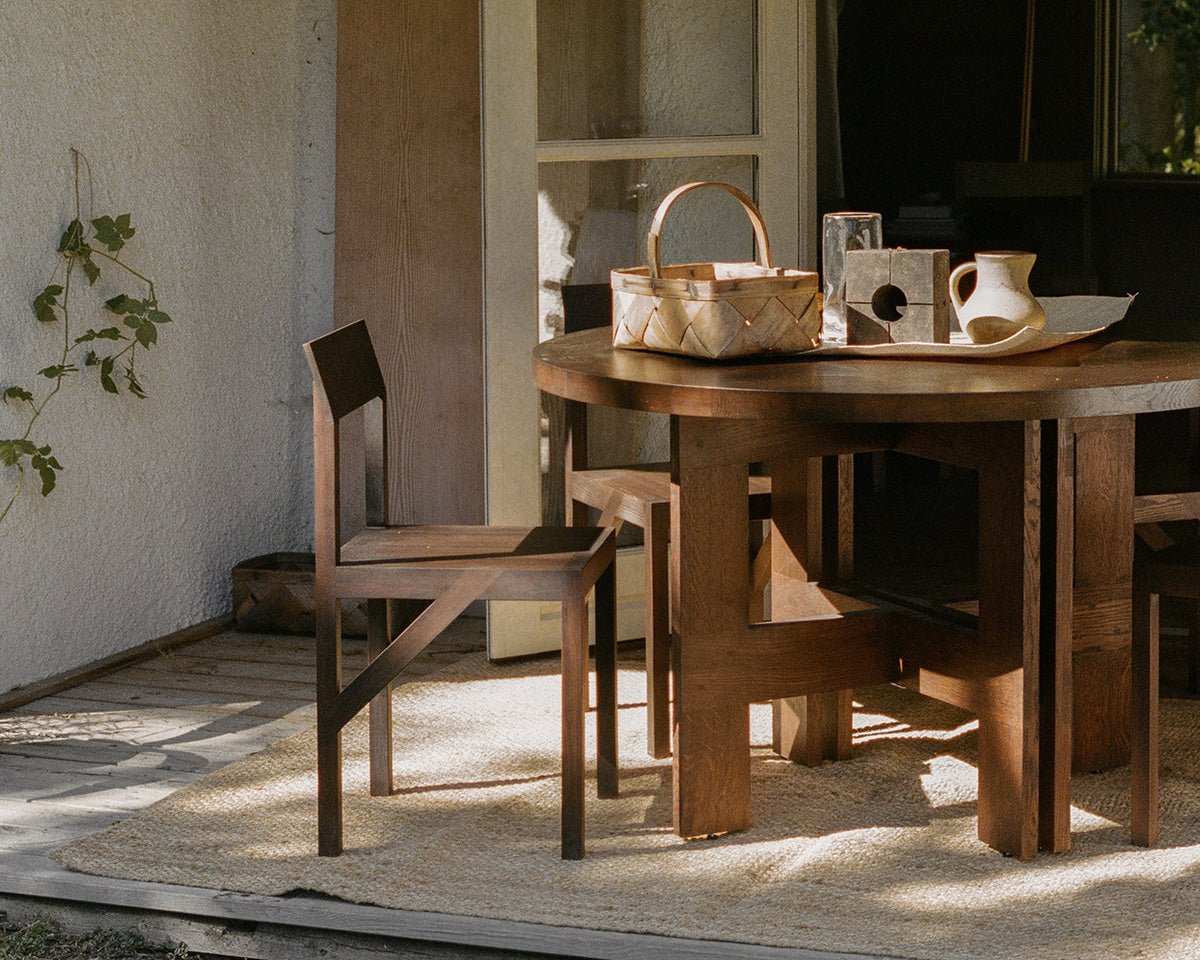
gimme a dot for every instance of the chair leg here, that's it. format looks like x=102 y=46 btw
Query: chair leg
x=1144 y=739
x=656 y=527
x=379 y=635
x=329 y=734
x=607 y=778
x=574 y=707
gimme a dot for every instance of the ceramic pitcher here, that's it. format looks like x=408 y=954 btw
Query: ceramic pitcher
x=1001 y=303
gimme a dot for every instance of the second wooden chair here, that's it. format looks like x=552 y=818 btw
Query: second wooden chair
x=1173 y=572
x=639 y=494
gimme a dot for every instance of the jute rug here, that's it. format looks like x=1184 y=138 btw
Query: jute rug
x=876 y=855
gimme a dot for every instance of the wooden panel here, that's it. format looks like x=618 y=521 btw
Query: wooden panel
x=1104 y=504
x=408 y=249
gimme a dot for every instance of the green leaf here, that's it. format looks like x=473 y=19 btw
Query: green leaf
x=11 y=451
x=17 y=394
x=147 y=334
x=90 y=268
x=125 y=306
x=107 y=333
x=45 y=302
x=157 y=316
x=58 y=371
x=91 y=359
x=118 y=304
x=43 y=466
x=106 y=380
x=113 y=233
x=72 y=239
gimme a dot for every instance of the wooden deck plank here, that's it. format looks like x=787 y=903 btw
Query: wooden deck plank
x=185 y=666
x=95 y=793
x=299 y=651
x=137 y=771
x=161 y=719
x=20 y=820
x=180 y=755
x=244 y=687
x=105 y=694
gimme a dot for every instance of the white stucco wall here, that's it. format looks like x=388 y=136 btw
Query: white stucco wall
x=211 y=122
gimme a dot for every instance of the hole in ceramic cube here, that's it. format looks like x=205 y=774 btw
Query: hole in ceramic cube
x=889 y=303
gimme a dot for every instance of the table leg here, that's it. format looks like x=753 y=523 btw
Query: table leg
x=1009 y=628
x=710 y=584
x=1103 y=589
x=812 y=502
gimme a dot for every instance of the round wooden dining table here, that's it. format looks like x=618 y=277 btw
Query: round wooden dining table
x=1045 y=665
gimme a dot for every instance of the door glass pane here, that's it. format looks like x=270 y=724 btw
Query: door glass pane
x=1158 y=108
x=593 y=217
x=614 y=69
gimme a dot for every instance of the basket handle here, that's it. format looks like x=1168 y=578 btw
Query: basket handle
x=653 y=254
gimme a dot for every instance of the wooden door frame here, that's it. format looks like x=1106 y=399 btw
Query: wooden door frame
x=786 y=78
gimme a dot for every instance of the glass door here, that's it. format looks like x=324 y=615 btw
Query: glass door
x=593 y=111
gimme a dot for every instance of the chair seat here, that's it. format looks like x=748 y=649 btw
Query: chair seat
x=627 y=491
x=531 y=562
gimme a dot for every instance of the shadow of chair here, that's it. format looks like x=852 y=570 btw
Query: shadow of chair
x=451 y=567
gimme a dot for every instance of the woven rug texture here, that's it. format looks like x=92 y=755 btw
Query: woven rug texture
x=874 y=855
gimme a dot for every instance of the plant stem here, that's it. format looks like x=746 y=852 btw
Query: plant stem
x=146 y=280
x=66 y=322
x=16 y=492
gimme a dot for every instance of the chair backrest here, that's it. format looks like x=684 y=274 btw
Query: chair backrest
x=345 y=370
x=586 y=306
x=346 y=377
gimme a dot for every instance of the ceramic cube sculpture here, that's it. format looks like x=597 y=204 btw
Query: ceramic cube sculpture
x=897 y=296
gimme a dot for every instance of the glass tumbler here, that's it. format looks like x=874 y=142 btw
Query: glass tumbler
x=842 y=232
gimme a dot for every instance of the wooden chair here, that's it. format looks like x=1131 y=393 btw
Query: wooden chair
x=451 y=566
x=1174 y=572
x=1167 y=491
x=639 y=494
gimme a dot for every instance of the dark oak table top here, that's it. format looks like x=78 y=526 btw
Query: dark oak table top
x=1102 y=376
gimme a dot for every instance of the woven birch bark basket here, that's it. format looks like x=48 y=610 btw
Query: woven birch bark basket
x=715 y=310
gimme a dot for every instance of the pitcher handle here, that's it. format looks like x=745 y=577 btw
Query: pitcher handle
x=959 y=272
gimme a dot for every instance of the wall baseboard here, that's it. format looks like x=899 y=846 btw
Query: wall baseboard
x=19 y=696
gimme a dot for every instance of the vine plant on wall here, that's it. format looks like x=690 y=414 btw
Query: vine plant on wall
x=87 y=252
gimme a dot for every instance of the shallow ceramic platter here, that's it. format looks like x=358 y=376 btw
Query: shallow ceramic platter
x=1067 y=319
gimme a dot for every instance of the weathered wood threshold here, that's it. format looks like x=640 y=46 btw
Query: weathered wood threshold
x=299 y=928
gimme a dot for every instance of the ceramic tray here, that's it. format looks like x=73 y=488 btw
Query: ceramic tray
x=1067 y=319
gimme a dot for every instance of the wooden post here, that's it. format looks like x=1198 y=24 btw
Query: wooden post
x=812 y=502
x=711 y=586
x=1009 y=635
